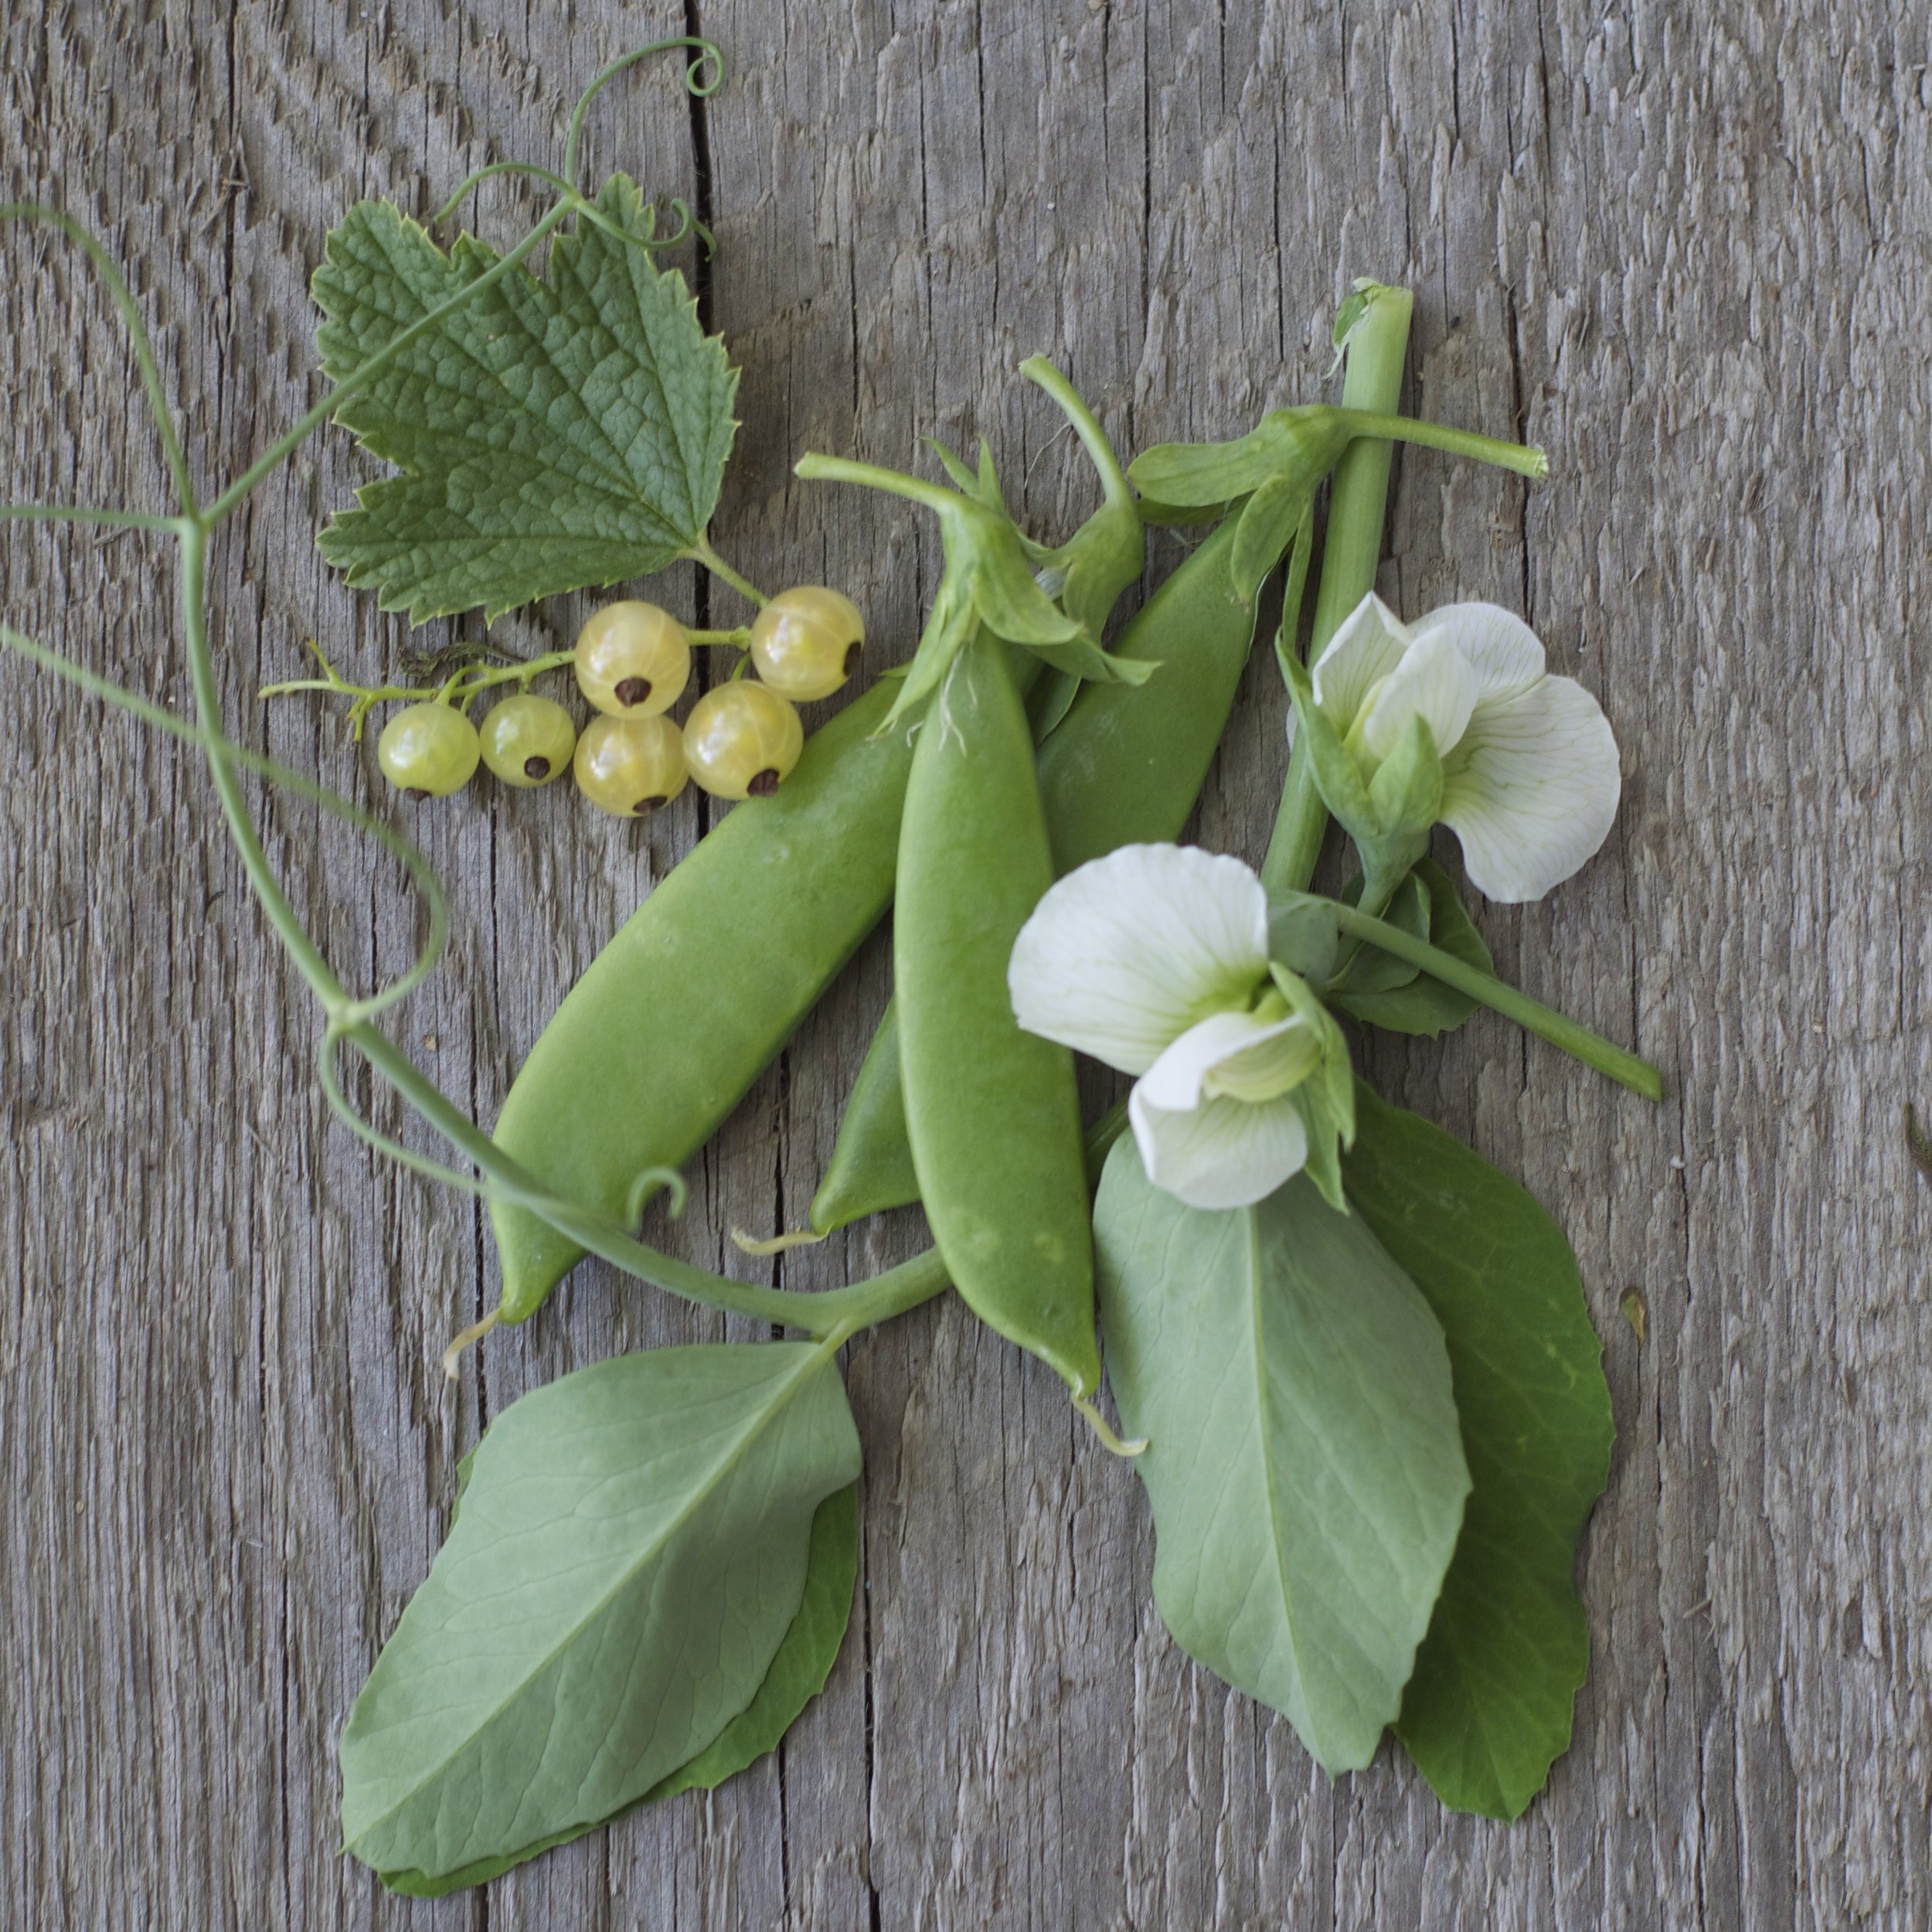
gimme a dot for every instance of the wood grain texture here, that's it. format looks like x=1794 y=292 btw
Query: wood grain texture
x=1688 y=250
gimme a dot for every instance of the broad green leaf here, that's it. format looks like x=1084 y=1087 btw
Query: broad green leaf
x=1303 y=1464
x=1490 y=1706
x=1408 y=1001
x=632 y=1547
x=804 y=1659
x=553 y=434
x=797 y=1675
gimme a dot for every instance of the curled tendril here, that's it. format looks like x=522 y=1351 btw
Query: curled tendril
x=476 y=176
x=702 y=78
x=418 y=867
x=35 y=214
x=583 y=207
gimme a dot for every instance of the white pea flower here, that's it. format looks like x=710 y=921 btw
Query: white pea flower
x=1530 y=777
x=1154 y=959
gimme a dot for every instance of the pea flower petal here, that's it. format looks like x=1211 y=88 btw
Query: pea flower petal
x=1530 y=780
x=1125 y=953
x=1434 y=681
x=1372 y=641
x=1531 y=789
x=1504 y=654
x=1222 y=1153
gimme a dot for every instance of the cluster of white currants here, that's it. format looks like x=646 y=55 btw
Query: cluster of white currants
x=632 y=661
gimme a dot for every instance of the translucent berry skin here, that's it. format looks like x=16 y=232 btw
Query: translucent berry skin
x=805 y=642
x=742 y=740
x=528 y=740
x=629 y=766
x=428 y=750
x=633 y=660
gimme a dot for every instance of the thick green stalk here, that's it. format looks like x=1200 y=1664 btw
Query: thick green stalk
x=1577 y=1040
x=1358 y=507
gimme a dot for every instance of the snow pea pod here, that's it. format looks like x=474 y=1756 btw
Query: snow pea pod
x=1124 y=767
x=701 y=986
x=992 y=1114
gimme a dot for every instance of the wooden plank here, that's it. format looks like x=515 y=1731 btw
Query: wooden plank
x=1687 y=255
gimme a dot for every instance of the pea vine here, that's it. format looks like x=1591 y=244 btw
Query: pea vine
x=1290 y=1276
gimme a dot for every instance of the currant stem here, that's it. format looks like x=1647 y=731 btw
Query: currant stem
x=701 y=553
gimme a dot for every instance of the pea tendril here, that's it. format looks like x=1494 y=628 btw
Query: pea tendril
x=832 y=1315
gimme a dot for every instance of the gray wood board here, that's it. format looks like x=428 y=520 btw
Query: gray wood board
x=1689 y=250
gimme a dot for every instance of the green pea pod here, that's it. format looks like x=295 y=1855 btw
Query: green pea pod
x=701 y=986
x=992 y=1113
x=871 y=1168
x=1125 y=767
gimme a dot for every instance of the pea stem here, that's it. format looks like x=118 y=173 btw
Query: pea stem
x=82 y=513
x=1575 y=1039
x=1524 y=459
x=815 y=468
x=1358 y=505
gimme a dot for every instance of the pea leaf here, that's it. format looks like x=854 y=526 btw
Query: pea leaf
x=1303 y=1464
x=1489 y=1708
x=1383 y=991
x=632 y=1548
x=797 y=1675
x=552 y=435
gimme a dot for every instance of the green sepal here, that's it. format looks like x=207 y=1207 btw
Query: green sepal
x=1326 y=1100
x=955 y=466
x=988 y=582
x=1380 y=815
x=1269 y=519
x=1303 y=935
x=1337 y=776
x=1296 y=448
x=1406 y=789
x=1196 y=475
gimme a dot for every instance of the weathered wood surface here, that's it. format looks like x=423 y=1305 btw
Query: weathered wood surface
x=1689 y=249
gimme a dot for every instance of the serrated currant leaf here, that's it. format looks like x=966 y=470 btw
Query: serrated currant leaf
x=553 y=434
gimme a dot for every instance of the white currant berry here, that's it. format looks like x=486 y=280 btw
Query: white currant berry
x=527 y=740
x=805 y=642
x=741 y=739
x=633 y=660
x=428 y=750
x=628 y=766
